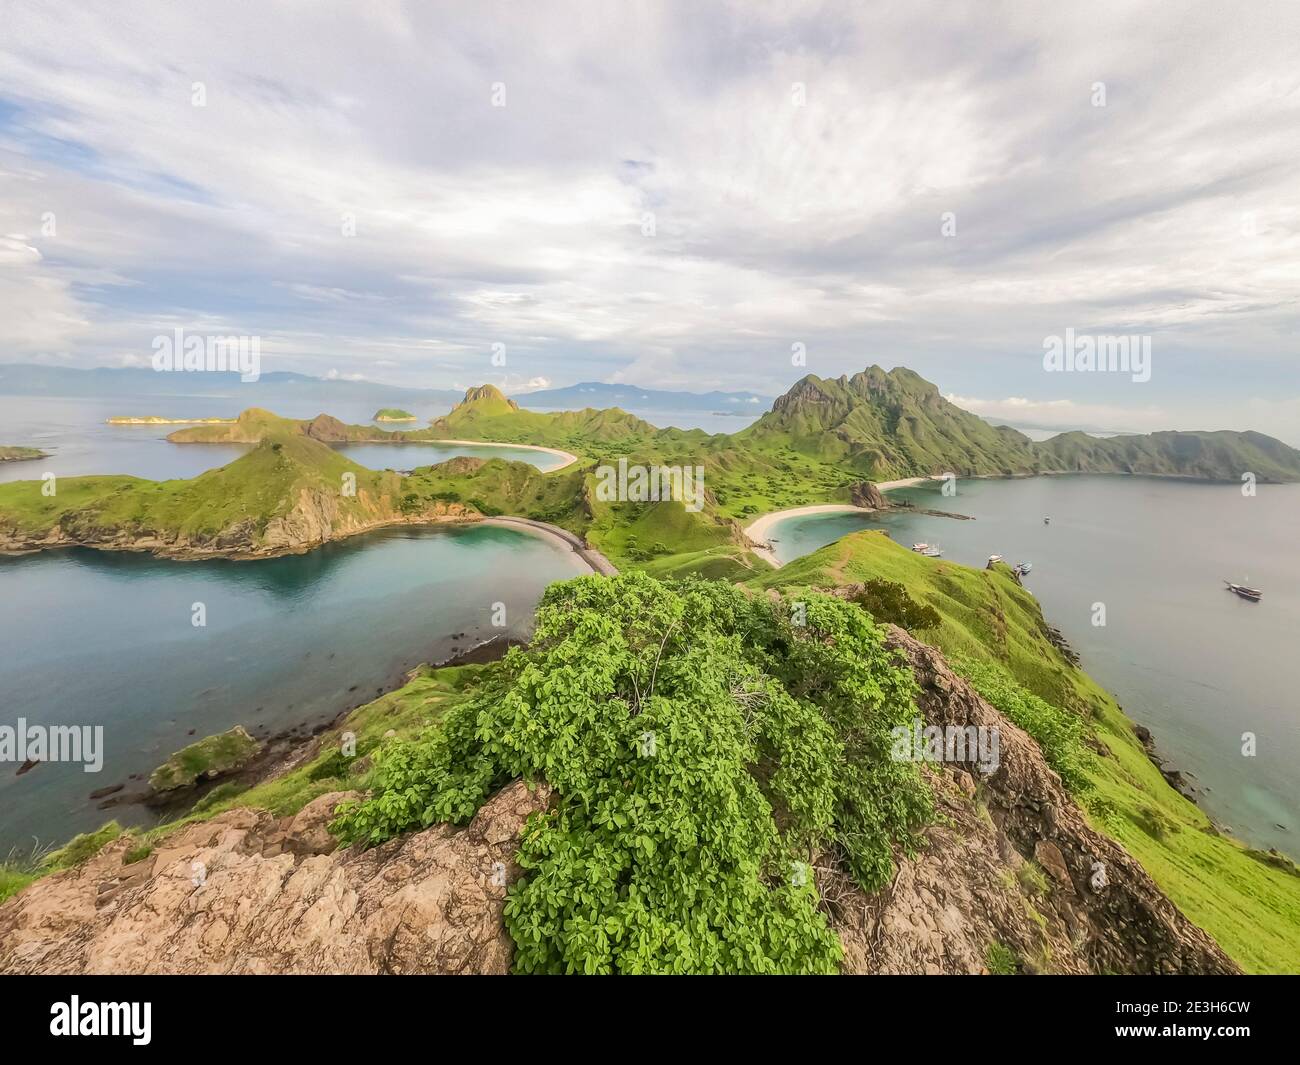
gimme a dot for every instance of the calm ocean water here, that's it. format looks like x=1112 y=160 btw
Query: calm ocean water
x=93 y=638
x=1182 y=655
x=74 y=432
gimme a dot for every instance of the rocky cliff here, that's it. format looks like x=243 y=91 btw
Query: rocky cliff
x=1011 y=871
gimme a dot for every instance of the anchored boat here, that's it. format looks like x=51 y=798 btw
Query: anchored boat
x=928 y=550
x=994 y=558
x=1253 y=594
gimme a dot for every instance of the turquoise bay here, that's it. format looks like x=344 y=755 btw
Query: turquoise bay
x=1183 y=656
x=106 y=639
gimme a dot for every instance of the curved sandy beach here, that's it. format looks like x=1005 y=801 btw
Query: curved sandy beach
x=593 y=558
x=569 y=460
x=758 y=529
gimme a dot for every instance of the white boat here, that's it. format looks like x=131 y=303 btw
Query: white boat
x=994 y=558
x=928 y=550
x=1253 y=594
x=1024 y=567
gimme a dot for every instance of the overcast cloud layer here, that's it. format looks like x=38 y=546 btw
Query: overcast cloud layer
x=797 y=161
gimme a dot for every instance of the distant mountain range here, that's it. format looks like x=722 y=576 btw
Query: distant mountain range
x=599 y=395
x=29 y=379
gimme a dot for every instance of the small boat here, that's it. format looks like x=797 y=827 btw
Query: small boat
x=1253 y=594
x=1047 y=521
x=994 y=558
x=1024 y=567
x=928 y=550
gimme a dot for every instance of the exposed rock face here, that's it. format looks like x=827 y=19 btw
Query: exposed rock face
x=316 y=518
x=866 y=494
x=276 y=898
x=489 y=394
x=1010 y=862
x=971 y=888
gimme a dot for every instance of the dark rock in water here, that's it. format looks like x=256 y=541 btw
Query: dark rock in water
x=26 y=767
x=101 y=793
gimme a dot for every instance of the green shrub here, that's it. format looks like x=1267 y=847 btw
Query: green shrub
x=1002 y=961
x=699 y=747
x=888 y=601
x=1058 y=732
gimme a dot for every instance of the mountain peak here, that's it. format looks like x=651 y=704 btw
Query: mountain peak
x=488 y=399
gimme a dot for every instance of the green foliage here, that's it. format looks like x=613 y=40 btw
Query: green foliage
x=889 y=601
x=1002 y=961
x=1033 y=879
x=700 y=748
x=13 y=880
x=83 y=847
x=1058 y=732
x=210 y=756
x=137 y=854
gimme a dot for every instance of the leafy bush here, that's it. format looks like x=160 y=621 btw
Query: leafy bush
x=700 y=748
x=1058 y=732
x=888 y=601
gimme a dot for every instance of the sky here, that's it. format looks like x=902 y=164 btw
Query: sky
x=696 y=195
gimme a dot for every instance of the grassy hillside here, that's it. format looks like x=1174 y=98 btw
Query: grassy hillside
x=885 y=425
x=245 y=495
x=1250 y=906
x=1216 y=456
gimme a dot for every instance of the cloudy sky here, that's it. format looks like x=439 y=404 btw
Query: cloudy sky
x=672 y=194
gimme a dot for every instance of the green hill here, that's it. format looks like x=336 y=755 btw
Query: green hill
x=891 y=424
x=1216 y=456
x=1250 y=906
x=885 y=425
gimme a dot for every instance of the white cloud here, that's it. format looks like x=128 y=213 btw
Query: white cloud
x=1170 y=211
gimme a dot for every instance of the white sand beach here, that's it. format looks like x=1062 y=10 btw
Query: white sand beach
x=758 y=529
x=569 y=460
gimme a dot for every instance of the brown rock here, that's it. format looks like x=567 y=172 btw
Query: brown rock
x=212 y=901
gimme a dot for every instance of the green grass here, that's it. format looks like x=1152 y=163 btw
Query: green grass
x=1002 y=961
x=81 y=848
x=222 y=753
x=12 y=453
x=1251 y=907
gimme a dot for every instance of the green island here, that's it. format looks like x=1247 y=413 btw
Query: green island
x=393 y=414
x=10 y=453
x=772 y=802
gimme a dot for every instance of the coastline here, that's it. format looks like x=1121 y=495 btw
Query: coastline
x=594 y=559
x=569 y=459
x=757 y=530
x=598 y=562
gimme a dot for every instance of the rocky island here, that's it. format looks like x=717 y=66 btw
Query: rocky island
x=10 y=453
